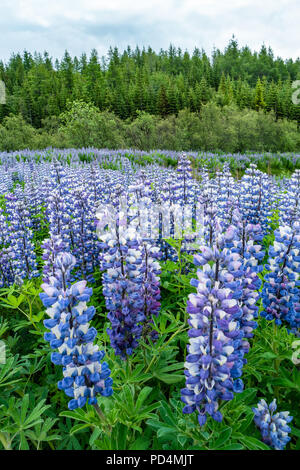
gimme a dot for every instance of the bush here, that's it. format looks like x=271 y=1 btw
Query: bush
x=226 y=129
x=83 y=125
x=15 y=133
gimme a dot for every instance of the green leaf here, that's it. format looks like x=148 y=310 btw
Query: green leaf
x=95 y=434
x=269 y=355
x=169 y=378
x=253 y=444
x=167 y=414
x=78 y=427
x=245 y=423
x=23 y=442
x=141 y=443
x=223 y=437
x=122 y=437
x=234 y=446
x=246 y=396
x=145 y=392
x=167 y=433
x=295 y=432
x=182 y=439
x=79 y=414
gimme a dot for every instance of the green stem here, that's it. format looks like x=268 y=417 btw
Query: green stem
x=102 y=417
x=170 y=339
x=276 y=360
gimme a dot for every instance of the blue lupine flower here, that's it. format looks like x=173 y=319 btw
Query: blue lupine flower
x=255 y=200
x=21 y=254
x=273 y=427
x=130 y=278
x=215 y=353
x=222 y=316
x=290 y=201
x=85 y=375
x=281 y=288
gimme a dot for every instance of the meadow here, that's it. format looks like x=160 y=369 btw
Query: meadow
x=149 y=300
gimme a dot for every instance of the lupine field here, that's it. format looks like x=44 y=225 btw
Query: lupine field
x=149 y=300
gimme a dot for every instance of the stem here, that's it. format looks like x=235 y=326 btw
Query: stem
x=165 y=344
x=99 y=412
x=102 y=416
x=276 y=360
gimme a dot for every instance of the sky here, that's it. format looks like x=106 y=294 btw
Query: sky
x=81 y=25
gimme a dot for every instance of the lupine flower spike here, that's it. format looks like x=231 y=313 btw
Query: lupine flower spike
x=85 y=375
x=273 y=427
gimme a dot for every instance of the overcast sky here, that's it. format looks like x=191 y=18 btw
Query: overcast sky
x=80 y=25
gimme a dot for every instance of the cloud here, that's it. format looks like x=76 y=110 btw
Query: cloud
x=80 y=25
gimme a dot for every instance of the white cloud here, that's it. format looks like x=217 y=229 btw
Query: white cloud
x=79 y=25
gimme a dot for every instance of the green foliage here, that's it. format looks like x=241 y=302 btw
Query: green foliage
x=226 y=129
x=84 y=126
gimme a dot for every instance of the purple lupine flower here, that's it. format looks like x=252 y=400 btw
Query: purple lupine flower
x=130 y=279
x=85 y=245
x=215 y=352
x=290 y=203
x=255 y=199
x=51 y=248
x=21 y=251
x=6 y=269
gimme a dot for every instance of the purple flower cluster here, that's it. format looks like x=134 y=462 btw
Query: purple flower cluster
x=273 y=427
x=290 y=203
x=6 y=268
x=280 y=293
x=130 y=278
x=255 y=199
x=51 y=248
x=221 y=317
x=85 y=375
x=20 y=256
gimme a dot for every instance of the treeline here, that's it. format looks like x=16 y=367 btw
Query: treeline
x=226 y=129
x=160 y=84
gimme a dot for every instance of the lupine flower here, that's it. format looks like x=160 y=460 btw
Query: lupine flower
x=130 y=277
x=131 y=289
x=21 y=252
x=58 y=216
x=273 y=427
x=51 y=248
x=281 y=290
x=85 y=245
x=255 y=199
x=290 y=204
x=242 y=239
x=216 y=348
x=6 y=268
x=85 y=375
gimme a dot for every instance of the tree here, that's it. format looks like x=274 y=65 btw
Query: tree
x=162 y=102
x=259 y=102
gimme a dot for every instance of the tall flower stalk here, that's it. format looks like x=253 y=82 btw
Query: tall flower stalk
x=221 y=317
x=85 y=375
x=281 y=288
